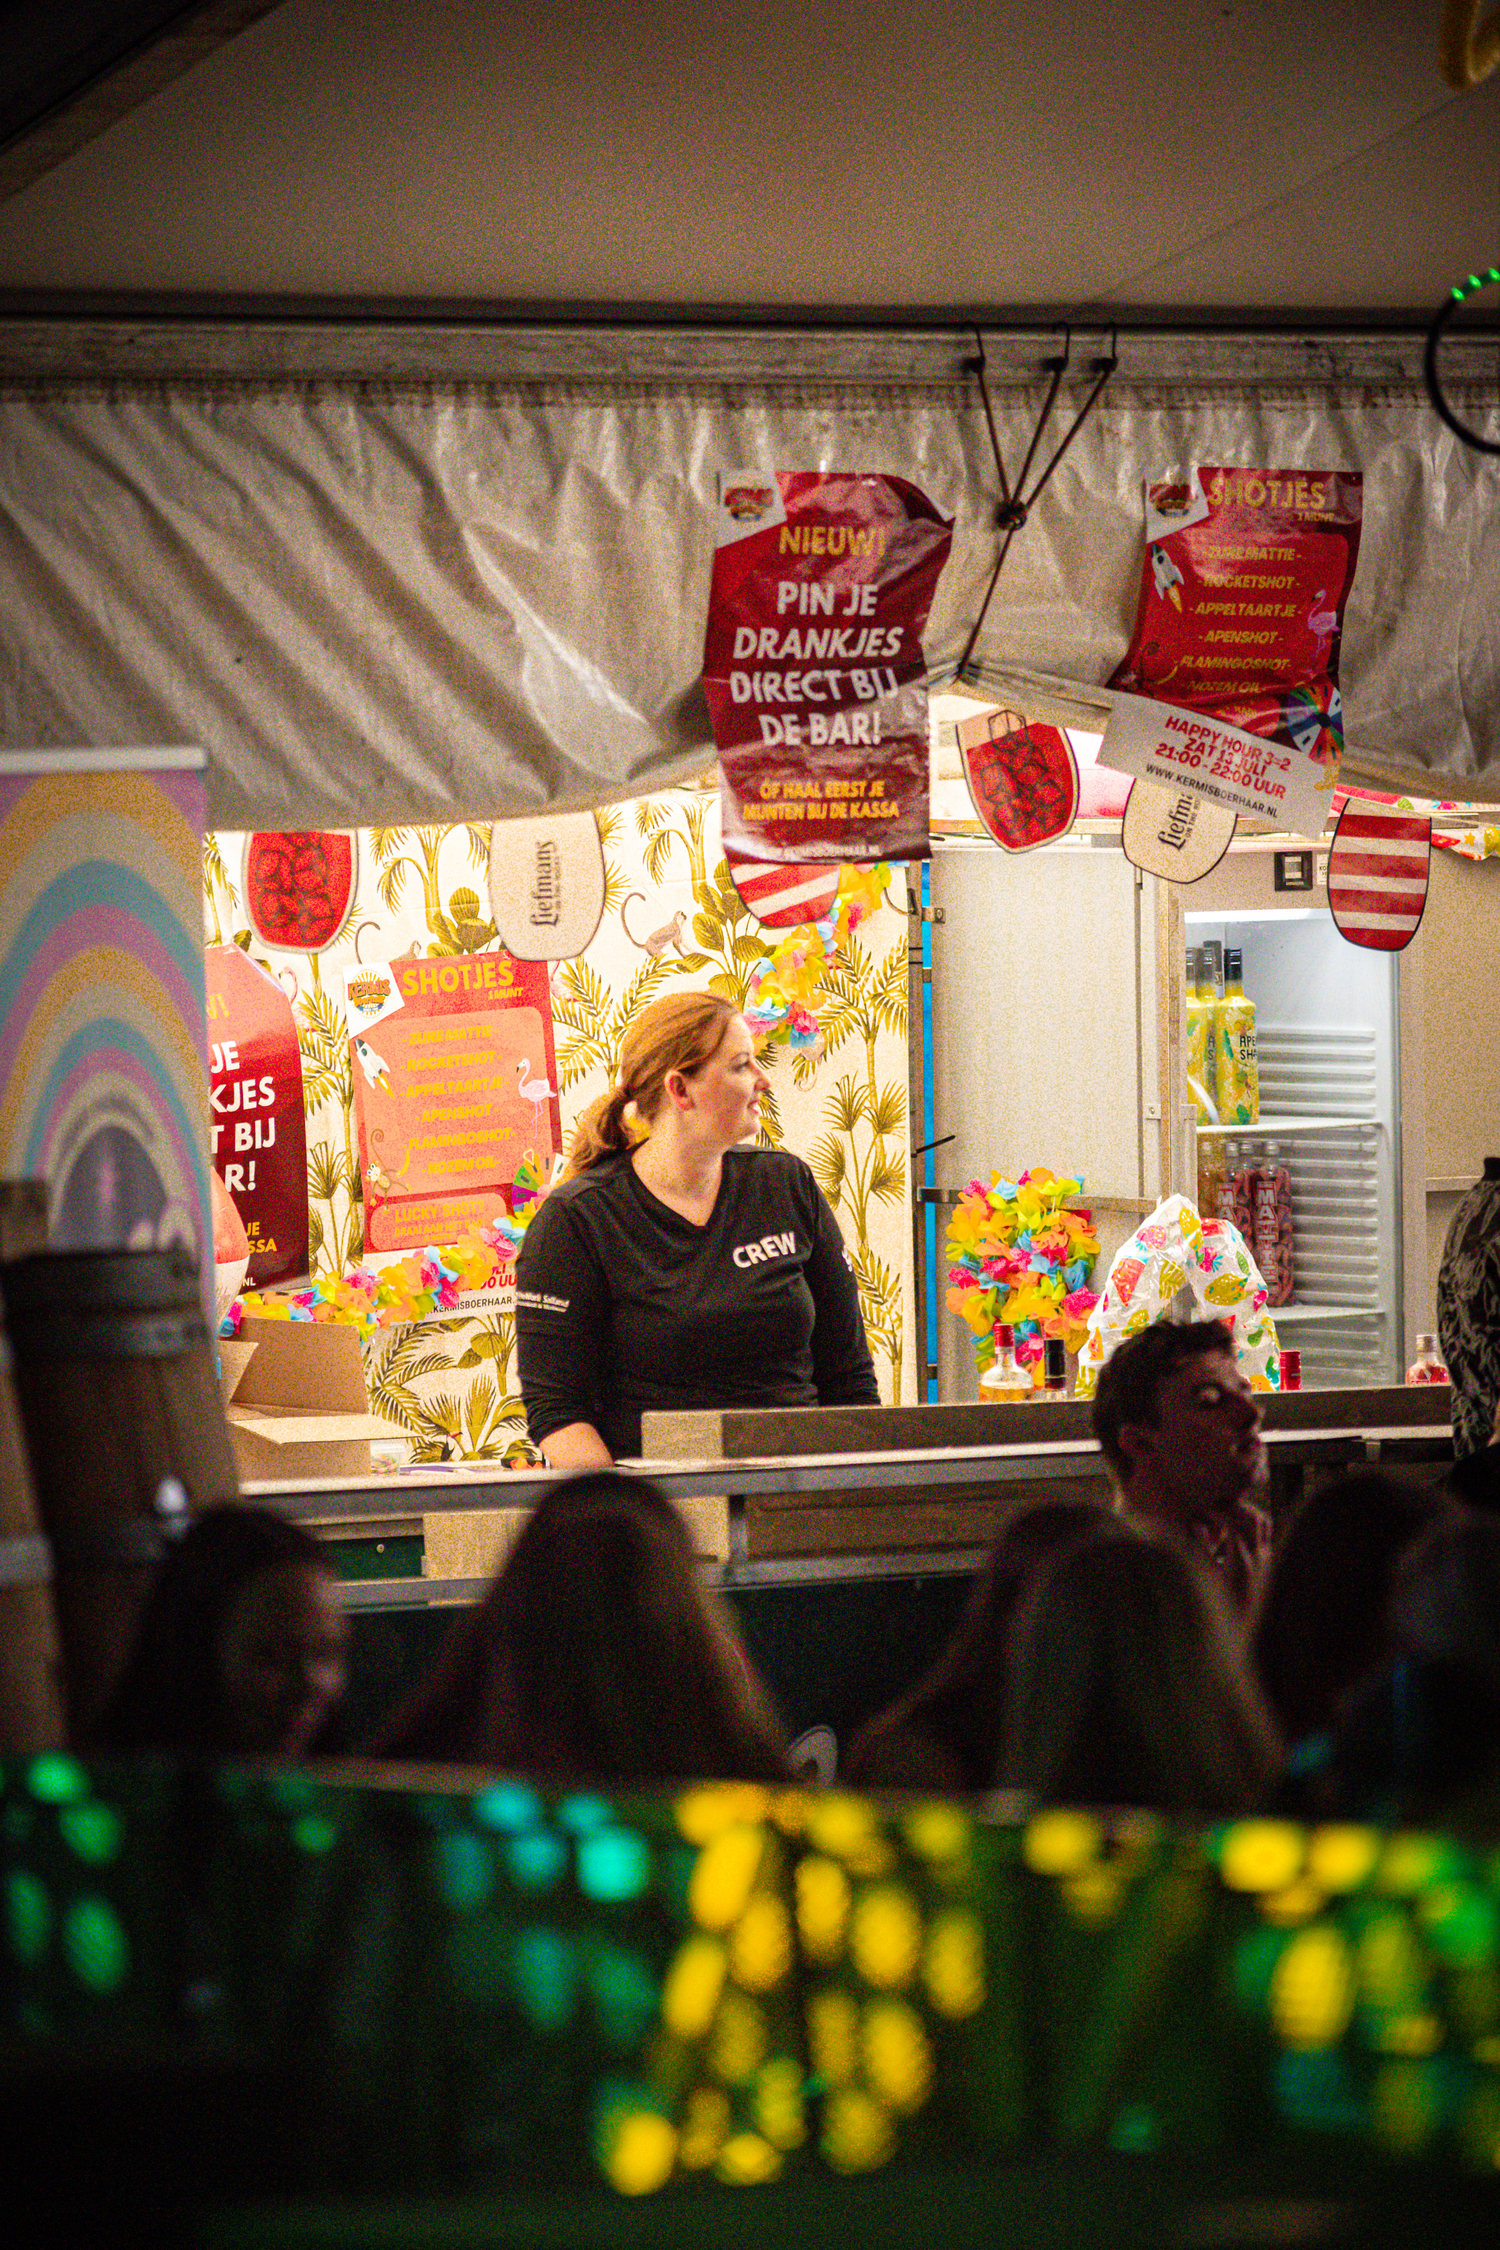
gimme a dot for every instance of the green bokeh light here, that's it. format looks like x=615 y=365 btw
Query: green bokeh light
x=624 y=1991
x=463 y=1870
x=1135 y=2131
x=581 y=1813
x=28 y=1916
x=510 y=1806
x=536 y=1861
x=94 y=1940
x=1461 y=1924
x=94 y=1831
x=1255 y=1959
x=613 y=1864
x=54 y=1779
x=314 y=1832
x=544 y=1967
x=1313 y=2088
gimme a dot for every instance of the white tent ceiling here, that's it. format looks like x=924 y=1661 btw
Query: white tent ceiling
x=1004 y=153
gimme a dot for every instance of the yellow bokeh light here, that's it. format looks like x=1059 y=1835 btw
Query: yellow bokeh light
x=1410 y=1862
x=842 y=1824
x=747 y=2161
x=1300 y=1902
x=1312 y=1988
x=897 y=2054
x=953 y=1964
x=702 y=1813
x=705 y=2127
x=833 y=2035
x=1340 y=1858
x=693 y=1985
x=1391 y=1972
x=885 y=1936
x=1262 y=1855
x=1403 y=2106
x=642 y=2151
x=737 y=2047
x=823 y=1901
x=1060 y=1843
x=721 y=1882
x=937 y=1832
x=859 y=2133
x=1416 y=2034
x=760 y=1944
x=778 y=2103
x=1094 y=1896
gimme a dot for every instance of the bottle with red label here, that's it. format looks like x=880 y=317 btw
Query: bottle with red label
x=1271 y=1202
x=1428 y=1366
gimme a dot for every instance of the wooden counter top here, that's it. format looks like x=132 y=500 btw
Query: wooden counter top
x=803 y=1523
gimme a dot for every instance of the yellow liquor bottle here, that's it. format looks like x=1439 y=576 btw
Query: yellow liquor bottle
x=1200 y=1041
x=1235 y=1046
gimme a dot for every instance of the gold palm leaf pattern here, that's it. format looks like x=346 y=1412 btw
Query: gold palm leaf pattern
x=447 y=1389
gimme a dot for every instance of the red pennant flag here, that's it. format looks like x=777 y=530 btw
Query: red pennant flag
x=1378 y=865
x=783 y=894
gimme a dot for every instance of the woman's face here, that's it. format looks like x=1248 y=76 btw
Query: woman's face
x=283 y=1660
x=727 y=1088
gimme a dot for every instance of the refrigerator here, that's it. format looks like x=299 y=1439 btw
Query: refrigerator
x=1338 y=1083
x=1058 y=1036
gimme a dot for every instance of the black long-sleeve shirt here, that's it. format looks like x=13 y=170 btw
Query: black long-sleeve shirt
x=622 y=1304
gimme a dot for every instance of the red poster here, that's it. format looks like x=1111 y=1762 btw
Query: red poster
x=454 y=1080
x=813 y=664
x=1243 y=587
x=259 y=1130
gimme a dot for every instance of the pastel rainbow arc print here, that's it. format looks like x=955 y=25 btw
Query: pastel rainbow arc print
x=103 y=1044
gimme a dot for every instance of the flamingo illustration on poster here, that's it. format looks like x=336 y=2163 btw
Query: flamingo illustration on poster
x=534 y=1090
x=103 y=1045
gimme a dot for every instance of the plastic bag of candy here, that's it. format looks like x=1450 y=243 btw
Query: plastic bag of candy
x=1175 y=1247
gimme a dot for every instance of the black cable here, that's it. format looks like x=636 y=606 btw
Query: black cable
x=1440 y=319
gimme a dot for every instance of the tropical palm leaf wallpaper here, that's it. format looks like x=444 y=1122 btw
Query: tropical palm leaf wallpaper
x=448 y=1386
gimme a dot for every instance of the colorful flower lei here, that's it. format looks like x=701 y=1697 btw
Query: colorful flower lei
x=788 y=988
x=417 y=1287
x=1017 y=1255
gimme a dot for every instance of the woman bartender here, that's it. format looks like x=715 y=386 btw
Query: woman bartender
x=681 y=1270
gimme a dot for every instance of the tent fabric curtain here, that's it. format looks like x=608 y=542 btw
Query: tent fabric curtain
x=375 y=599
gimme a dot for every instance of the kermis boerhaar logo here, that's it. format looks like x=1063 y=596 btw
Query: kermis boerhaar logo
x=747 y=505
x=369 y=993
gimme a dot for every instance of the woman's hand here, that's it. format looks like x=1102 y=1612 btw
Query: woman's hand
x=575 y=1447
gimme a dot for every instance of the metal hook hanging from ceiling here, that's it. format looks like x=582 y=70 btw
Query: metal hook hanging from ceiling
x=1015 y=502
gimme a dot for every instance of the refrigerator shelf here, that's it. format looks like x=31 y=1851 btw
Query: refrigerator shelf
x=1266 y=1127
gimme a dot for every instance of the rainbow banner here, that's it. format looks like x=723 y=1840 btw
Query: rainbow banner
x=103 y=1046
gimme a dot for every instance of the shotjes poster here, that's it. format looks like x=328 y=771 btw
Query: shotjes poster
x=455 y=1082
x=813 y=664
x=1243 y=586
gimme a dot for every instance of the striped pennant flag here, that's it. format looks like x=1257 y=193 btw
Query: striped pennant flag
x=1378 y=865
x=783 y=893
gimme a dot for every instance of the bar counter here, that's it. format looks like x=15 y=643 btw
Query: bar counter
x=845 y=1538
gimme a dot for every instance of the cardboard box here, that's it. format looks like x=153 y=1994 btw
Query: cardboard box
x=294 y=1394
